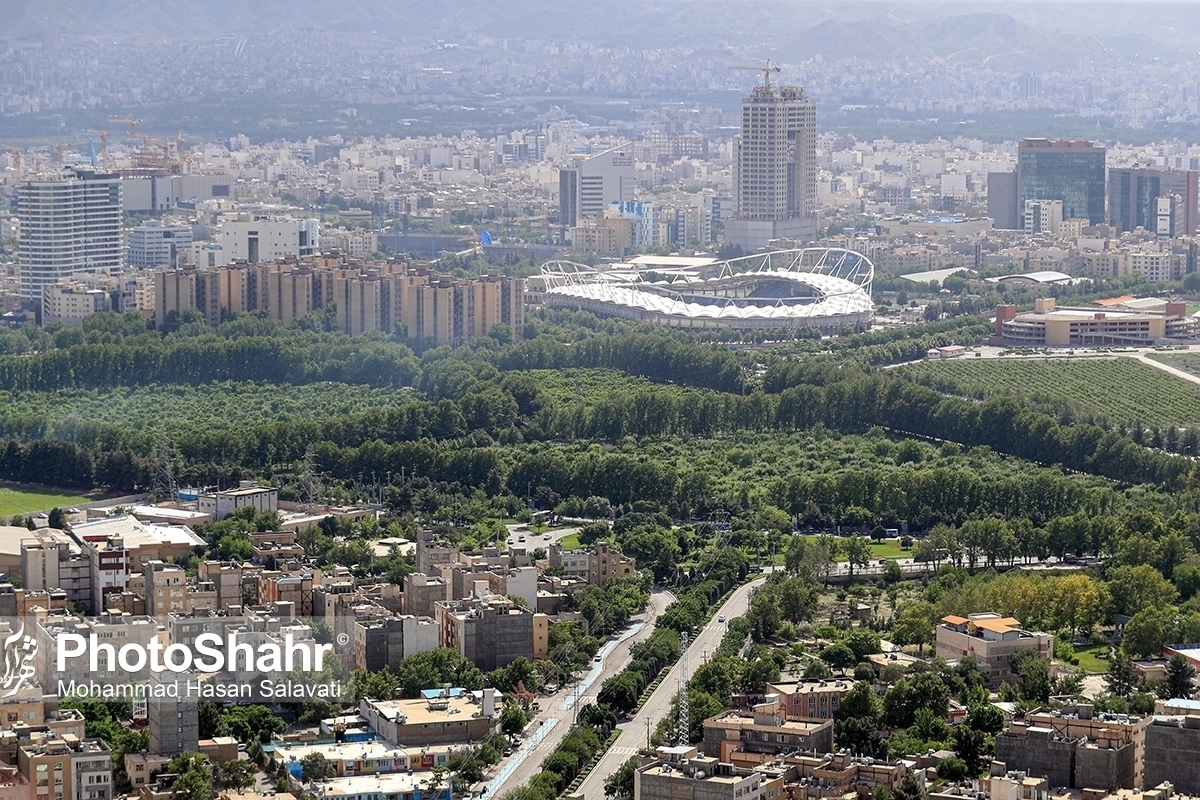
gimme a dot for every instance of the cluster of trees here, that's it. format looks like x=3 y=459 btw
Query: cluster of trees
x=647 y=659
x=196 y=776
x=474 y=398
x=245 y=349
x=911 y=716
x=1129 y=692
x=781 y=604
x=1151 y=583
x=586 y=739
x=608 y=608
x=841 y=399
x=247 y=724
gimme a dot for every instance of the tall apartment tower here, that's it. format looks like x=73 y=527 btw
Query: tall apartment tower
x=70 y=223
x=1071 y=171
x=775 y=163
x=586 y=189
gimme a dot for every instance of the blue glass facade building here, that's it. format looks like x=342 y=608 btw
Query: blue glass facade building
x=1071 y=171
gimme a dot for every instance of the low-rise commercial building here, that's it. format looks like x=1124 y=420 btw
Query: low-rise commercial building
x=764 y=730
x=1109 y=755
x=682 y=773
x=441 y=718
x=393 y=786
x=1047 y=325
x=248 y=494
x=67 y=769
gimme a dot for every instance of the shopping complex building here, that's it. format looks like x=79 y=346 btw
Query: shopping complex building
x=1116 y=325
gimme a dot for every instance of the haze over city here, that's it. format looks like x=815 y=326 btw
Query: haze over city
x=544 y=400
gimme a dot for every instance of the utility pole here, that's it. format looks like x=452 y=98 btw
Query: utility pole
x=683 y=727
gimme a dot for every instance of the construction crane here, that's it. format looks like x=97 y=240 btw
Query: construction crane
x=132 y=122
x=103 y=145
x=765 y=70
x=181 y=153
x=57 y=144
x=16 y=151
x=147 y=159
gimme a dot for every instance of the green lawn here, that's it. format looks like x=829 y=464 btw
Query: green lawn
x=570 y=542
x=16 y=499
x=888 y=548
x=1090 y=660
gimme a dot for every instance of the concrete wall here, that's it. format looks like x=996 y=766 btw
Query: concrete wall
x=1038 y=753
x=1104 y=768
x=1173 y=754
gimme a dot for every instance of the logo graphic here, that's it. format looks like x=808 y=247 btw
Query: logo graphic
x=19 y=651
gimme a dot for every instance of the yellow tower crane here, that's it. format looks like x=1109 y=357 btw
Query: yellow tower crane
x=58 y=146
x=765 y=70
x=131 y=122
x=103 y=146
x=16 y=151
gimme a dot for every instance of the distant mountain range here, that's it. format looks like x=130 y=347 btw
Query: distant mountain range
x=991 y=39
x=1009 y=36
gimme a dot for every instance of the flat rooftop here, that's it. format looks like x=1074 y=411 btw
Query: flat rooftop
x=745 y=719
x=391 y=784
x=136 y=533
x=343 y=751
x=425 y=712
x=806 y=687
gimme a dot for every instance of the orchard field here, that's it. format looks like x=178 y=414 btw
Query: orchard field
x=1121 y=390
x=179 y=408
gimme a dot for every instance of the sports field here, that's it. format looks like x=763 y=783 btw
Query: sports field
x=15 y=499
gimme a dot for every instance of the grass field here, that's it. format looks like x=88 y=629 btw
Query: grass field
x=16 y=499
x=1188 y=362
x=888 y=548
x=570 y=542
x=1090 y=661
x=1122 y=390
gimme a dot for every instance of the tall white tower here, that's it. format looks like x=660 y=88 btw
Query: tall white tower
x=775 y=162
x=70 y=223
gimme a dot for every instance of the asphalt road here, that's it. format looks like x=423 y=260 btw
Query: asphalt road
x=550 y=725
x=633 y=733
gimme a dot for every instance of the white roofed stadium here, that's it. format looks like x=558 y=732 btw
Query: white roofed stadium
x=815 y=287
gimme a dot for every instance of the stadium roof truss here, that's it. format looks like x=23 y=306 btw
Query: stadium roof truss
x=822 y=287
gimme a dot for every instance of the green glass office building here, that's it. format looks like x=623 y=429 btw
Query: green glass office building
x=1071 y=171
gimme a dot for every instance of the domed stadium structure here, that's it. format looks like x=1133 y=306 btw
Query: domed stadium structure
x=814 y=287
